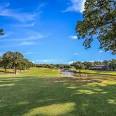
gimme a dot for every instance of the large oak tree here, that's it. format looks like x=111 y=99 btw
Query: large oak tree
x=99 y=21
x=15 y=60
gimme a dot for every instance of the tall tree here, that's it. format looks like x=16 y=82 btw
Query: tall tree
x=0 y=61
x=112 y=64
x=7 y=60
x=99 y=21
x=16 y=60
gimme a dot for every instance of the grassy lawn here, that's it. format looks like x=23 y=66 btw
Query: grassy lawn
x=42 y=72
x=27 y=94
x=38 y=72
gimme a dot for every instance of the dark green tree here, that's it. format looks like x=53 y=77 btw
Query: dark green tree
x=16 y=60
x=99 y=21
x=0 y=61
x=112 y=64
x=24 y=64
x=87 y=65
x=7 y=60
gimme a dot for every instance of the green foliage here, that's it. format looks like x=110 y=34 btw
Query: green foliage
x=7 y=60
x=61 y=66
x=78 y=65
x=15 y=60
x=99 y=21
x=112 y=64
x=108 y=64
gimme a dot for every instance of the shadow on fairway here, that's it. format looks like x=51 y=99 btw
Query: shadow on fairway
x=32 y=96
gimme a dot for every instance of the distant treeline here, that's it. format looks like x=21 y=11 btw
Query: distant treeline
x=57 y=66
x=97 y=65
x=14 y=60
x=17 y=61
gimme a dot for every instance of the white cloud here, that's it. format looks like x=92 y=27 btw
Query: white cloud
x=30 y=36
x=28 y=53
x=19 y=15
x=91 y=61
x=31 y=39
x=42 y=61
x=4 y=36
x=75 y=6
x=49 y=61
x=101 y=51
x=22 y=17
x=70 y=62
x=25 y=25
x=74 y=37
x=76 y=53
x=27 y=43
x=46 y=60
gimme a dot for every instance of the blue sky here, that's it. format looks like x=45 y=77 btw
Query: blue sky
x=44 y=31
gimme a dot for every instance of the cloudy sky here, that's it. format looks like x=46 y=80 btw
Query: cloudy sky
x=44 y=31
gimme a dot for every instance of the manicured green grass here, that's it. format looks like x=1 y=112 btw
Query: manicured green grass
x=38 y=72
x=27 y=94
x=2 y=71
x=42 y=72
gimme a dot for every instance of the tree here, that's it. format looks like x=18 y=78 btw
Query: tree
x=16 y=60
x=87 y=65
x=112 y=64
x=0 y=61
x=78 y=65
x=99 y=21
x=7 y=60
x=24 y=64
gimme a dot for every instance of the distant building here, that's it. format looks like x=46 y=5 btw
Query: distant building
x=99 y=67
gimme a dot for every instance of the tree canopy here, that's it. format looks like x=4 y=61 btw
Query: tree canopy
x=99 y=21
x=15 y=60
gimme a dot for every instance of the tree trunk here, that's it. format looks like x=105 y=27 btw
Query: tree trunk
x=15 y=70
x=5 y=70
x=79 y=73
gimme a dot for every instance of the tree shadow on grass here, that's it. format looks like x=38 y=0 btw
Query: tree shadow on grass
x=7 y=72
x=32 y=96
